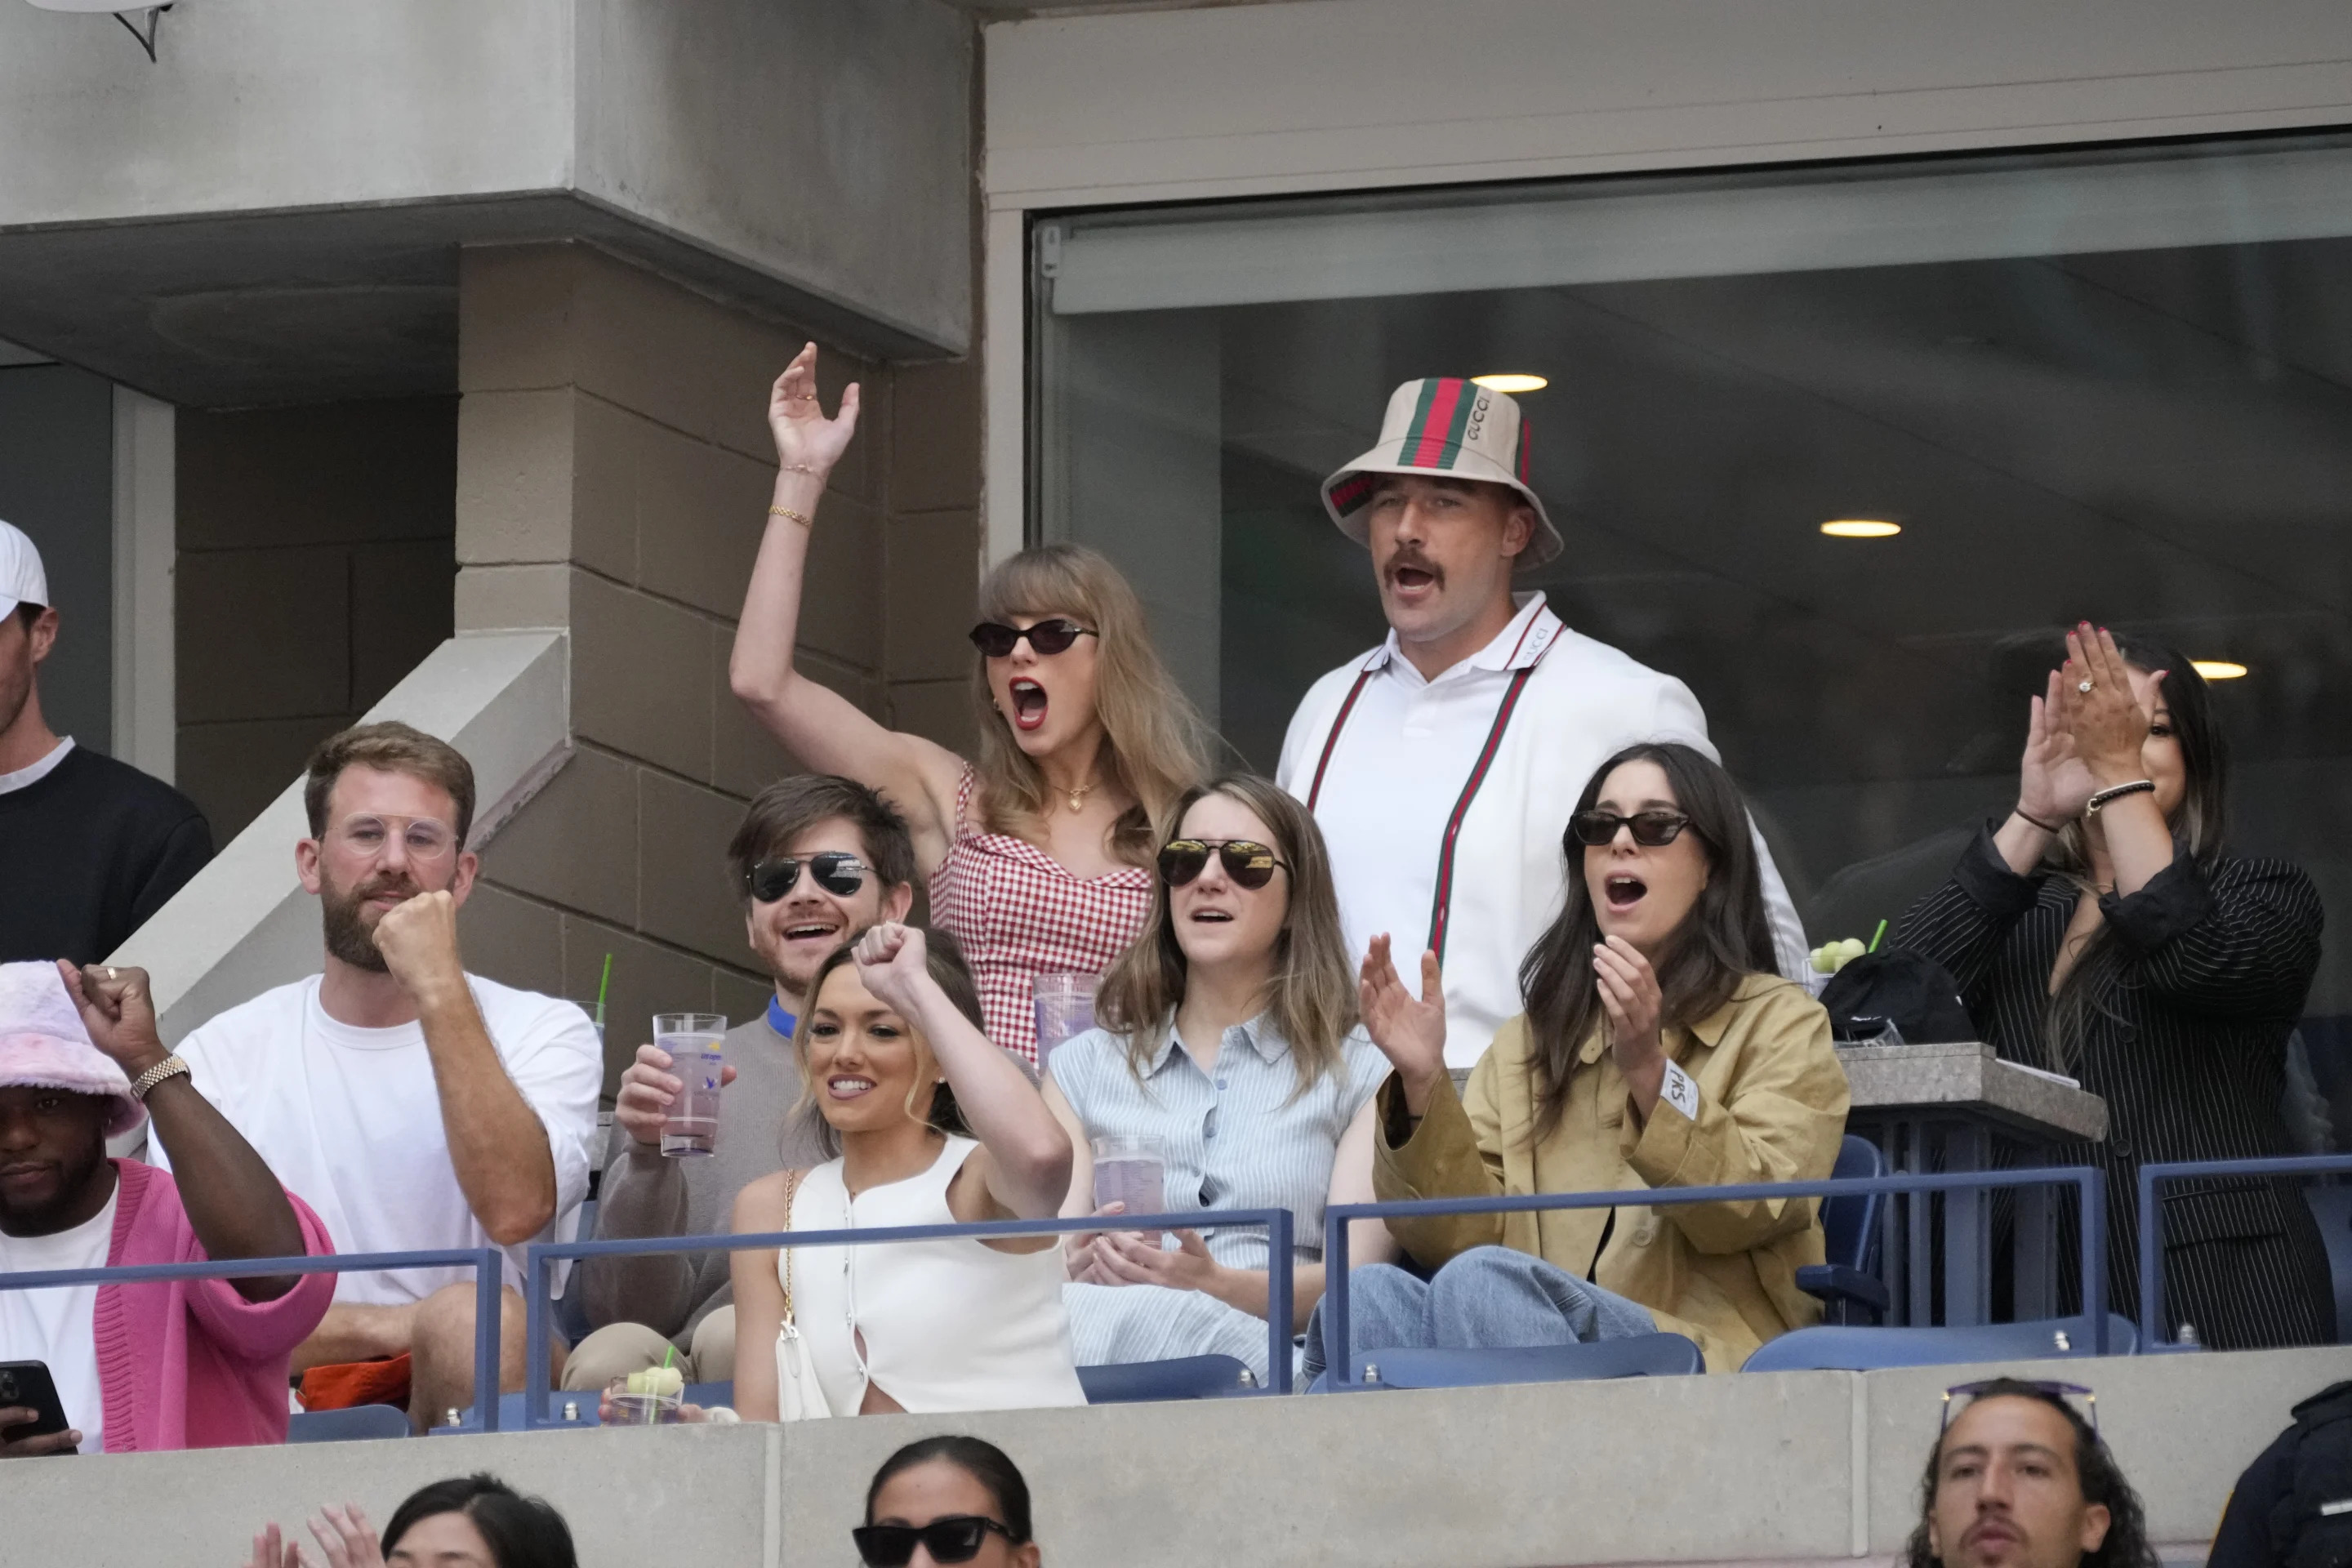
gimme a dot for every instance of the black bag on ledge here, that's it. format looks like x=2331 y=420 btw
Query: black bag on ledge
x=1908 y=990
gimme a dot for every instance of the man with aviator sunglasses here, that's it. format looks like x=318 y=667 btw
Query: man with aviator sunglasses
x=816 y=861
x=1442 y=766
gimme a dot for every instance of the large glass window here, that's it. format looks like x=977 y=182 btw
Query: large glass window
x=2113 y=385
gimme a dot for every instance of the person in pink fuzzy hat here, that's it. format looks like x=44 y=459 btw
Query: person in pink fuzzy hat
x=181 y=1364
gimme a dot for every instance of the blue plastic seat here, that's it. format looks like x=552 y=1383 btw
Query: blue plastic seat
x=1843 y=1349
x=358 y=1423
x=1182 y=1377
x=1848 y=1284
x=1640 y=1355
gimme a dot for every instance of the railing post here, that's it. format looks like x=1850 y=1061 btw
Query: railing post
x=1334 y=1296
x=2095 y=1257
x=534 y=1338
x=488 y=1280
x=2151 y=1248
x=1278 y=1309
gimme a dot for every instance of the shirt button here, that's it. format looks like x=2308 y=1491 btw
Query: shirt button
x=1220 y=1083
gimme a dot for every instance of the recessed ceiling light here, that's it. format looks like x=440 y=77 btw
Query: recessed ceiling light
x=1861 y=527
x=2218 y=669
x=1502 y=382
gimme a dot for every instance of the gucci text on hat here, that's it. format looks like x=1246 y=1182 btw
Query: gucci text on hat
x=1445 y=427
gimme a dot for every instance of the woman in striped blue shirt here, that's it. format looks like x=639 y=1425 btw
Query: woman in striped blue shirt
x=1230 y=1034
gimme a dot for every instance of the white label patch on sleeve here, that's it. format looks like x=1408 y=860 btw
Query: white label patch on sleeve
x=1680 y=1092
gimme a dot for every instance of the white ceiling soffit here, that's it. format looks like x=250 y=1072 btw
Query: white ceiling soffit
x=1700 y=228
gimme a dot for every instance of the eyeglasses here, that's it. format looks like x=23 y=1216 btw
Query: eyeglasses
x=955 y=1539
x=836 y=872
x=1651 y=830
x=1249 y=863
x=1046 y=638
x=2008 y=1384
x=421 y=837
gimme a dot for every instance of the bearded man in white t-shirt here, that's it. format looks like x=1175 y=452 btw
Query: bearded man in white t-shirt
x=414 y=1105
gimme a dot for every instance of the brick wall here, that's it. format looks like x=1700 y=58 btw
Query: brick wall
x=613 y=467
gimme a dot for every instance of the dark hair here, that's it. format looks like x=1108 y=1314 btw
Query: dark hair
x=393 y=748
x=2200 y=821
x=30 y=614
x=983 y=1462
x=1724 y=939
x=520 y=1532
x=790 y=807
x=945 y=961
x=2101 y=1478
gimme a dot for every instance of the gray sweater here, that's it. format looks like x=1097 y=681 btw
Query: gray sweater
x=646 y=1194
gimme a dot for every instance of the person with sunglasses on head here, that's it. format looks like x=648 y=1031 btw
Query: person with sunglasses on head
x=947 y=1500
x=1037 y=853
x=928 y=1123
x=2019 y=1477
x=1230 y=1034
x=1656 y=1049
x=816 y=862
x=414 y=1106
x=1435 y=762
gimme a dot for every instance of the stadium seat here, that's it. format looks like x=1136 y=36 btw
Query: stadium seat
x=1848 y=1284
x=356 y=1423
x=1183 y=1377
x=2331 y=1205
x=1643 y=1355
x=1831 y=1348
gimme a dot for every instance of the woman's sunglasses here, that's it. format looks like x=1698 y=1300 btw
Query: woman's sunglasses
x=1651 y=830
x=955 y=1539
x=1249 y=863
x=837 y=873
x=1046 y=638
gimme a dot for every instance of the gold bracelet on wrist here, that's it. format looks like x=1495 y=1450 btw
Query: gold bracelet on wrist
x=799 y=517
x=171 y=1067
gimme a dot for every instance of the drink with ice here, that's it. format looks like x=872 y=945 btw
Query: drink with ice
x=1132 y=1171
x=692 y=1041
x=1064 y=1006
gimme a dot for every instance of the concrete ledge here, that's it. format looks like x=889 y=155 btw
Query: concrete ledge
x=244 y=924
x=1810 y=1468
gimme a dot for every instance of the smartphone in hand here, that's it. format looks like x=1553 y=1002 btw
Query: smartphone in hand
x=28 y=1383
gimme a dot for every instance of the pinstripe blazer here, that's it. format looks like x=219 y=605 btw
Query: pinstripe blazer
x=2188 y=1048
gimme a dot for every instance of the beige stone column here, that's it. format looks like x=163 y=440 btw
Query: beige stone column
x=614 y=468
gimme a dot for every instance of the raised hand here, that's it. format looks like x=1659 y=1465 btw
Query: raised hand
x=418 y=939
x=648 y=1088
x=807 y=441
x=272 y=1550
x=1630 y=996
x=119 y=1011
x=1409 y=1031
x=2109 y=723
x=893 y=963
x=346 y=1537
x=2052 y=784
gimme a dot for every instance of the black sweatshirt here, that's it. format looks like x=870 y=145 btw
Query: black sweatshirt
x=88 y=852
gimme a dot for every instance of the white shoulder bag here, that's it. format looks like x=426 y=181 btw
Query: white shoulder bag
x=799 y=1395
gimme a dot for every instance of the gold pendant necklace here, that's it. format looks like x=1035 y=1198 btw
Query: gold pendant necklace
x=1078 y=794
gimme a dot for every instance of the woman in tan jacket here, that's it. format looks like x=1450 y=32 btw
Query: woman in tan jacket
x=1657 y=1049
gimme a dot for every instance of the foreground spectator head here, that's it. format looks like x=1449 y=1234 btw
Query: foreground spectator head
x=2020 y=1480
x=816 y=861
x=390 y=807
x=61 y=1100
x=465 y=1521
x=947 y=1500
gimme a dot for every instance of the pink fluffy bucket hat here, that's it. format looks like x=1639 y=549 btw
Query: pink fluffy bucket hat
x=43 y=1044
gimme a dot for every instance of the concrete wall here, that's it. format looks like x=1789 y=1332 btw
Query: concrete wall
x=316 y=559
x=614 y=468
x=1811 y=1467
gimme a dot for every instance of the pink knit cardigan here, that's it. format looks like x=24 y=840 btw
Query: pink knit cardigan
x=190 y=1363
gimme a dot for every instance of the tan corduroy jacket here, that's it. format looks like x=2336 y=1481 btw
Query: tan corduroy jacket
x=1772 y=1105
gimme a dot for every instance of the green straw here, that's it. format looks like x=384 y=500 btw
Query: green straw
x=668 y=1351
x=606 y=983
x=1874 y=947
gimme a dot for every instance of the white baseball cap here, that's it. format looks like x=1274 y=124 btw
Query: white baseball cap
x=21 y=581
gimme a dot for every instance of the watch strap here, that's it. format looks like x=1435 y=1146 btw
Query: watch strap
x=170 y=1067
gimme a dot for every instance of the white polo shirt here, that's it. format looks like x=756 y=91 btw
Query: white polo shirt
x=1406 y=752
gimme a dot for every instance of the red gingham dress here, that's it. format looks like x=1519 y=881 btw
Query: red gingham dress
x=1018 y=914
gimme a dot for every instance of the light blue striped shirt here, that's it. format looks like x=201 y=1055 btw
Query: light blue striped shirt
x=1237 y=1138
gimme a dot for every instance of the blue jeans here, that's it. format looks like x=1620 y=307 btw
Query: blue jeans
x=1487 y=1298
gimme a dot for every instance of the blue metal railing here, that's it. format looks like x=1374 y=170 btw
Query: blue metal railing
x=2151 y=1217
x=485 y=1261
x=1278 y=1224
x=2089 y=1183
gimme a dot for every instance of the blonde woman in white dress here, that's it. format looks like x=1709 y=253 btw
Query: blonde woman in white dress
x=934 y=1125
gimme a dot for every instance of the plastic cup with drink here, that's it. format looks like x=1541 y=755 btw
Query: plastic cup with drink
x=1066 y=1009
x=1132 y=1170
x=692 y=1041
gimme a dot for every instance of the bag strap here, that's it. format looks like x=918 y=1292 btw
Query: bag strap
x=791 y=1195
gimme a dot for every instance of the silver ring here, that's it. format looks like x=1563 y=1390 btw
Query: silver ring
x=2084 y=688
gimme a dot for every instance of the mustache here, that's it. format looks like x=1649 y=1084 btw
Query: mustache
x=1411 y=555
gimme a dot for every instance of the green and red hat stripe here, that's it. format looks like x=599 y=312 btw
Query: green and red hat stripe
x=1443 y=417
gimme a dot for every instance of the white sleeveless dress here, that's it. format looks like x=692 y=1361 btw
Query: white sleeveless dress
x=948 y=1325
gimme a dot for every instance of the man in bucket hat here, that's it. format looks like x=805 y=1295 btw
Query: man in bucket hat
x=1442 y=765
x=186 y=1364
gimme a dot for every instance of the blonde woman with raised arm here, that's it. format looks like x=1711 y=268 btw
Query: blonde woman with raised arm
x=930 y=1125
x=1037 y=851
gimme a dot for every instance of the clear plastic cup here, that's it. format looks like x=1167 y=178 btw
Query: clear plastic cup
x=1065 y=1009
x=1132 y=1170
x=693 y=1042
x=644 y=1409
